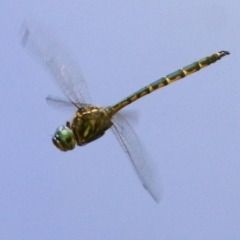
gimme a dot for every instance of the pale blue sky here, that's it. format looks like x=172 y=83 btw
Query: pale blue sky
x=191 y=128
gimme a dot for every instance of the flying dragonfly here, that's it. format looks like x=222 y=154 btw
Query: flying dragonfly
x=90 y=122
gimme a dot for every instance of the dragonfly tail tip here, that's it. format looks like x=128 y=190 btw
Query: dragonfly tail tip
x=224 y=53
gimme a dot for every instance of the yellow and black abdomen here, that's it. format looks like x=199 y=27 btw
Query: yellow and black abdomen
x=164 y=81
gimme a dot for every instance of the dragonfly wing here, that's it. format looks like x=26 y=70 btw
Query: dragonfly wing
x=56 y=59
x=57 y=103
x=146 y=169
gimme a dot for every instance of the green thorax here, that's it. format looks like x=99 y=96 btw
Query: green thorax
x=89 y=124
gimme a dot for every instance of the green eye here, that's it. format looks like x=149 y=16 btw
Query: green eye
x=64 y=139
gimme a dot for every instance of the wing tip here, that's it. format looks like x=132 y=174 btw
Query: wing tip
x=157 y=197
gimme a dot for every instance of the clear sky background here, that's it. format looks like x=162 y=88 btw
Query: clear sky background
x=190 y=128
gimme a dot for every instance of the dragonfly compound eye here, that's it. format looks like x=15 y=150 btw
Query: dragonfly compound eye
x=64 y=139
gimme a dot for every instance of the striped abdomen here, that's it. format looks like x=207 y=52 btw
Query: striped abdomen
x=172 y=77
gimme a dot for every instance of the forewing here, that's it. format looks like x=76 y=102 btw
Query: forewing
x=60 y=103
x=146 y=169
x=56 y=59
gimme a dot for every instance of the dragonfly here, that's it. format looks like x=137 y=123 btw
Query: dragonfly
x=91 y=122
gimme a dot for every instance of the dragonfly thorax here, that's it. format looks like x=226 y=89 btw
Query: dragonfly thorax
x=89 y=124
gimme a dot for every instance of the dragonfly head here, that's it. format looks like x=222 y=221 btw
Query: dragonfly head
x=64 y=139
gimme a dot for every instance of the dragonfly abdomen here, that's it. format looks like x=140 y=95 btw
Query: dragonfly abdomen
x=170 y=78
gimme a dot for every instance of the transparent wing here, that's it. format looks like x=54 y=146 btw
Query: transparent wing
x=58 y=103
x=56 y=59
x=146 y=169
